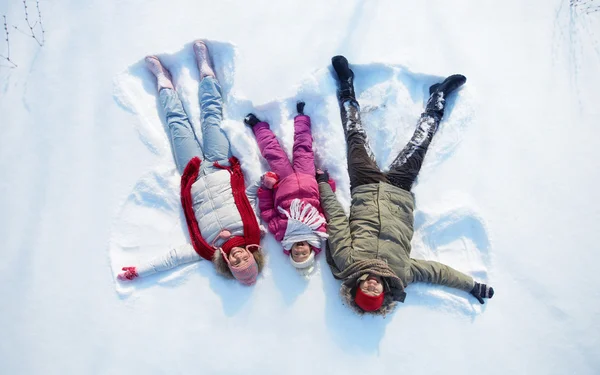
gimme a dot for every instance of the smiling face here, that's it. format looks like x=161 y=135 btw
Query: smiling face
x=300 y=251
x=239 y=257
x=372 y=286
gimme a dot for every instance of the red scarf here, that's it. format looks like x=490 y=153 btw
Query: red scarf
x=238 y=187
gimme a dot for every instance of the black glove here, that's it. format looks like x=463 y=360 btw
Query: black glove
x=322 y=176
x=251 y=119
x=300 y=107
x=481 y=291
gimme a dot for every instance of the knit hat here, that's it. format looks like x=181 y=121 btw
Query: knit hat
x=305 y=267
x=367 y=302
x=302 y=225
x=245 y=274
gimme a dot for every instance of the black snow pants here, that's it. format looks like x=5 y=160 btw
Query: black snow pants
x=362 y=167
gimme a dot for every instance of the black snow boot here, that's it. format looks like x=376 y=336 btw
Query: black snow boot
x=450 y=84
x=345 y=77
x=438 y=93
x=300 y=107
x=251 y=119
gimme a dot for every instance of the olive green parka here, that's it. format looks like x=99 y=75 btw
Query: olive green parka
x=380 y=227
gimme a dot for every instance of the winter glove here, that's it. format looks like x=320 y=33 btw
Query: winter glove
x=251 y=119
x=300 y=107
x=129 y=274
x=322 y=176
x=481 y=291
x=269 y=179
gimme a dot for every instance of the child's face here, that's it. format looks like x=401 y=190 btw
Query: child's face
x=300 y=251
x=372 y=286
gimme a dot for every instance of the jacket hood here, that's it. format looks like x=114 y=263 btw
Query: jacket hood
x=348 y=294
x=392 y=285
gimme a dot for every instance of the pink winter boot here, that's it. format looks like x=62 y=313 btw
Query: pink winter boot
x=163 y=76
x=203 y=59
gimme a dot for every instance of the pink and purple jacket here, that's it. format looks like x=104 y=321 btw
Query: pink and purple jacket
x=296 y=180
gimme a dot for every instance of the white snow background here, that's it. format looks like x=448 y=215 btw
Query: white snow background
x=507 y=192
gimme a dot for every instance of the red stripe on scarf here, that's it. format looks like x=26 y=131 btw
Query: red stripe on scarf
x=187 y=180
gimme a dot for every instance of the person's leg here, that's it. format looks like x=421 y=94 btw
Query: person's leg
x=271 y=150
x=203 y=60
x=181 y=135
x=215 y=142
x=362 y=167
x=405 y=168
x=216 y=146
x=304 y=157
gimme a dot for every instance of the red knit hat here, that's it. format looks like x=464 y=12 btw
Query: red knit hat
x=367 y=302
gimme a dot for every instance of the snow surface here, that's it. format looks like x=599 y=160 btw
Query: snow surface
x=506 y=193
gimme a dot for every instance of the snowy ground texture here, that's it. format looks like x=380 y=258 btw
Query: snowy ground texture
x=506 y=194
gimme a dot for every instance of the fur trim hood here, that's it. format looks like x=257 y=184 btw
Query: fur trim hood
x=392 y=285
x=348 y=294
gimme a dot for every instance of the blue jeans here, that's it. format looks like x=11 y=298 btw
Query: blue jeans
x=185 y=145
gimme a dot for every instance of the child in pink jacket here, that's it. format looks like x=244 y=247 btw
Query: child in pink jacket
x=289 y=196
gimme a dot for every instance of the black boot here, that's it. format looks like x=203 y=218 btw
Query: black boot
x=300 y=107
x=345 y=77
x=438 y=93
x=251 y=120
x=450 y=84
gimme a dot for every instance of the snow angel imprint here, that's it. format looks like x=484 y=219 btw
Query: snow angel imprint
x=220 y=218
x=370 y=251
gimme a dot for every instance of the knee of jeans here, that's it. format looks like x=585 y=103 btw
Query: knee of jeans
x=212 y=118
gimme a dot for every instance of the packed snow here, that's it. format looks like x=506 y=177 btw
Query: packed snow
x=505 y=195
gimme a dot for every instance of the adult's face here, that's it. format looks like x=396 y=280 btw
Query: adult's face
x=239 y=257
x=372 y=286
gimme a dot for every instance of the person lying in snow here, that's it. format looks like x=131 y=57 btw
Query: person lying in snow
x=222 y=224
x=370 y=253
x=289 y=195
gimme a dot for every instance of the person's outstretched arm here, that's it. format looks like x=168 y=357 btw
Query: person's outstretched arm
x=173 y=258
x=437 y=273
x=252 y=194
x=339 y=251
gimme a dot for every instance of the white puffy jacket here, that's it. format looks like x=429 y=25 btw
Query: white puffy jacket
x=215 y=207
x=215 y=210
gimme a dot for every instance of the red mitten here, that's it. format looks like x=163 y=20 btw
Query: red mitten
x=129 y=274
x=269 y=179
